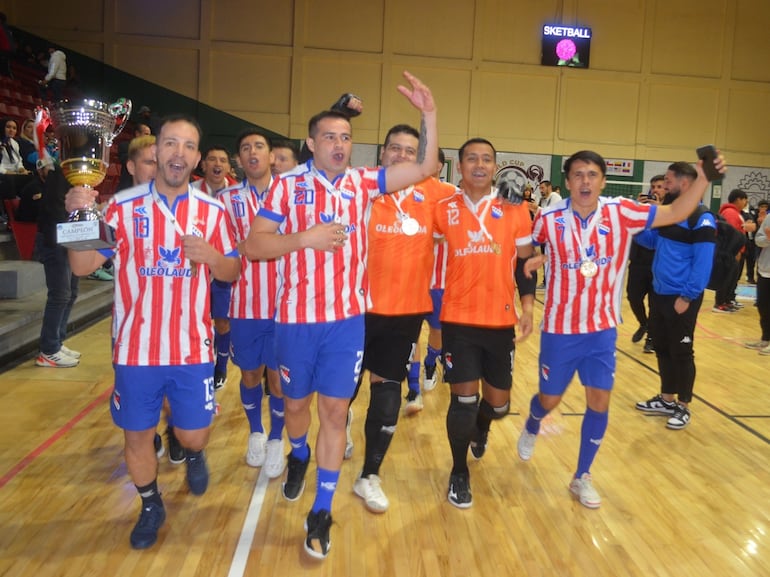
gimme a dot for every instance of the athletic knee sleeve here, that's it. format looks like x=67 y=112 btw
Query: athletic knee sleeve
x=384 y=405
x=461 y=416
x=493 y=413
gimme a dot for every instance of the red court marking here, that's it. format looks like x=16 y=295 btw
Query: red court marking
x=26 y=461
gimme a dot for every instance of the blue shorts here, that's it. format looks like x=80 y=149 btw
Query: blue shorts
x=320 y=357
x=592 y=355
x=138 y=396
x=437 y=296
x=252 y=342
x=220 y=299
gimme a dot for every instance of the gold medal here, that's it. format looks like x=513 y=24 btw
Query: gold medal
x=589 y=268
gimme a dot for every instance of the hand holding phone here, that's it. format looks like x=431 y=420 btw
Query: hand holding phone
x=708 y=155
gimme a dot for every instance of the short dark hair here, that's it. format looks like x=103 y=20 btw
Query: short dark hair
x=290 y=144
x=657 y=178
x=181 y=117
x=475 y=141
x=214 y=147
x=252 y=131
x=736 y=194
x=401 y=129
x=765 y=203
x=312 y=125
x=683 y=169
x=546 y=182
x=586 y=156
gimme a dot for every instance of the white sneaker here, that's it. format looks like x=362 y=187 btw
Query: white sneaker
x=255 y=455
x=430 y=379
x=756 y=345
x=526 y=445
x=348 y=436
x=414 y=406
x=58 y=360
x=70 y=353
x=370 y=490
x=584 y=490
x=275 y=460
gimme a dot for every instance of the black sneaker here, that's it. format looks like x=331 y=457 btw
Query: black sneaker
x=160 y=450
x=197 y=472
x=648 y=347
x=479 y=444
x=640 y=332
x=295 y=477
x=657 y=405
x=219 y=380
x=460 y=490
x=175 y=450
x=318 y=525
x=680 y=419
x=145 y=532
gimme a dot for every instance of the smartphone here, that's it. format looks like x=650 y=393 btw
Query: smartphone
x=708 y=154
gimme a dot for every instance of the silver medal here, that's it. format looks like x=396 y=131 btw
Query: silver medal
x=588 y=268
x=410 y=226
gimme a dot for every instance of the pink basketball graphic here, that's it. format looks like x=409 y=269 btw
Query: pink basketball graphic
x=566 y=49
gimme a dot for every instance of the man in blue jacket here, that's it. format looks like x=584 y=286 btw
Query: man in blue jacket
x=684 y=253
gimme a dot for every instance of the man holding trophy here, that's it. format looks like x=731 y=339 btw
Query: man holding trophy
x=169 y=240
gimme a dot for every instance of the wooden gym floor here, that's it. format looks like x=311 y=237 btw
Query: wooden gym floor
x=689 y=503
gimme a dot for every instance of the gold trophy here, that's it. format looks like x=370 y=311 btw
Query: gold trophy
x=85 y=130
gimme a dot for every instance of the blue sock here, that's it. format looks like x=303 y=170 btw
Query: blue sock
x=591 y=435
x=276 y=418
x=431 y=356
x=326 y=484
x=299 y=447
x=536 y=414
x=413 y=378
x=252 y=406
x=222 y=348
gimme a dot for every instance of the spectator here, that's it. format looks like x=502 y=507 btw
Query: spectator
x=762 y=240
x=731 y=211
x=61 y=282
x=56 y=78
x=13 y=175
x=26 y=140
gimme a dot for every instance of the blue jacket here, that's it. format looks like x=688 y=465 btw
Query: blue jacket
x=683 y=256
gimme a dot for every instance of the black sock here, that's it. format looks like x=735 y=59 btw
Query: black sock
x=149 y=493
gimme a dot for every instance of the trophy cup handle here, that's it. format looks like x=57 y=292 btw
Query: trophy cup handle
x=121 y=110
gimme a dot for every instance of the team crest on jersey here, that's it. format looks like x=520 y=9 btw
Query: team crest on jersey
x=169 y=256
x=448 y=360
x=347 y=194
x=604 y=229
x=545 y=371
x=496 y=212
x=475 y=236
x=285 y=374
x=418 y=196
x=195 y=231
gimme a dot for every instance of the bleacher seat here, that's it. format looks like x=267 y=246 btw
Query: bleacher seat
x=23 y=232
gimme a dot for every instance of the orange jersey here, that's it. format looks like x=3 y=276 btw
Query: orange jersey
x=400 y=265
x=481 y=258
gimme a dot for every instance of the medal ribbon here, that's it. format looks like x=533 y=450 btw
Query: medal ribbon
x=583 y=238
x=480 y=219
x=192 y=206
x=331 y=189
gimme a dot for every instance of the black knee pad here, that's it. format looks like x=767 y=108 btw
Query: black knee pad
x=385 y=403
x=493 y=413
x=461 y=416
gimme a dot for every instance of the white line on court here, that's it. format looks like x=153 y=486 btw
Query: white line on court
x=241 y=555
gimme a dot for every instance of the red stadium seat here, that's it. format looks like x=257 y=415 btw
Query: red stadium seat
x=23 y=232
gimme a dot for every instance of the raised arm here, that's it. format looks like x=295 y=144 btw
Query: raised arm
x=402 y=174
x=688 y=199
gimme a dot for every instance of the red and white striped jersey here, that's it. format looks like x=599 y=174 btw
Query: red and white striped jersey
x=201 y=185
x=253 y=295
x=322 y=286
x=161 y=311
x=575 y=304
x=438 y=278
